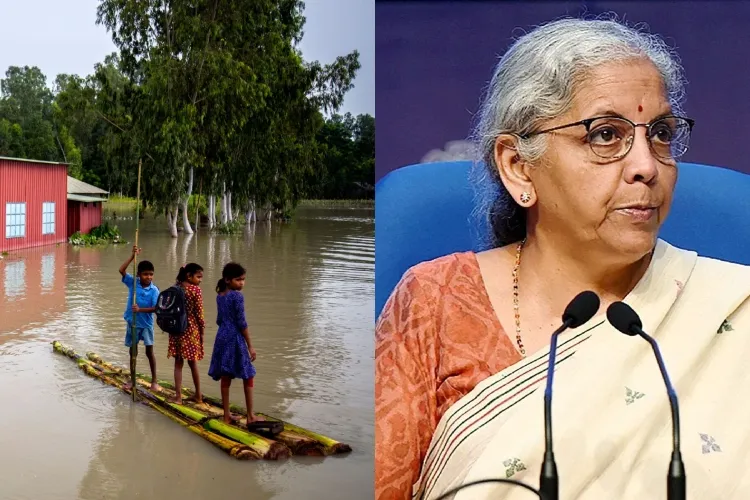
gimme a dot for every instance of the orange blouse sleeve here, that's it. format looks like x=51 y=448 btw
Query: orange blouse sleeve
x=405 y=387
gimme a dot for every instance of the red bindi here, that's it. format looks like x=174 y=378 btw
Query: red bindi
x=640 y=108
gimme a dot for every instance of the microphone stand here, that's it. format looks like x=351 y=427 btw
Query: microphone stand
x=676 y=478
x=549 y=482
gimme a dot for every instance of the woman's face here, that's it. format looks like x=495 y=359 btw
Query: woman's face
x=616 y=205
x=236 y=283
x=196 y=278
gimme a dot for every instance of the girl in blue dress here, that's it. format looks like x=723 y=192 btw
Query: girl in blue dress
x=233 y=353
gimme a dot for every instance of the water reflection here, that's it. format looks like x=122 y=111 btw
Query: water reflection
x=15 y=279
x=167 y=463
x=32 y=288
x=309 y=300
x=48 y=272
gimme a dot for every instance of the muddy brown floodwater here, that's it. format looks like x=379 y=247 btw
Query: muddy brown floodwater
x=310 y=306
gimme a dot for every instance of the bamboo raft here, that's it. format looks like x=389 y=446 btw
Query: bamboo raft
x=206 y=420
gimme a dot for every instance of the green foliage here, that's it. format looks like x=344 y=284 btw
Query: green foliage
x=27 y=120
x=99 y=235
x=338 y=203
x=222 y=89
x=347 y=148
x=202 y=207
x=231 y=227
x=216 y=90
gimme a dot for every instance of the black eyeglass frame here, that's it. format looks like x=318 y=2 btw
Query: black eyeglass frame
x=648 y=126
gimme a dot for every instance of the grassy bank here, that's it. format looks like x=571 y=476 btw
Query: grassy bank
x=100 y=235
x=125 y=204
x=119 y=204
x=337 y=204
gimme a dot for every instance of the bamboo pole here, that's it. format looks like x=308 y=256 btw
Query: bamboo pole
x=233 y=448
x=238 y=443
x=134 y=329
x=330 y=446
x=298 y=443
x=236 y=450
x=301 y=443
x=300 y=440
x=267 y=448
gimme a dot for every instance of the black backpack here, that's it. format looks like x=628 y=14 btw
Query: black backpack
x=171 y=311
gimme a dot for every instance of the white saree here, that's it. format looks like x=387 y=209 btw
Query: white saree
x=611 y=421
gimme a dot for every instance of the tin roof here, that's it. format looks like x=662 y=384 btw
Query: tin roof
x=85 y=199
x=79 y=187
x=34 y=161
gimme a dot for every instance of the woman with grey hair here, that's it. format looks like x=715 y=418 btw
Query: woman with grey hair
x=580 y=134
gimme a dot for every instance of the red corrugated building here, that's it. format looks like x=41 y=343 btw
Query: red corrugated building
x=33 y=202
x=84 y=206
x=41 y=205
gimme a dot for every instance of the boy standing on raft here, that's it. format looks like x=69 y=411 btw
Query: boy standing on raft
x=146 y=295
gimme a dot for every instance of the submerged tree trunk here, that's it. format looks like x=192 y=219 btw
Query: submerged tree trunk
x=250 y=213
x=267 y=212
x=224 y=217
x=197 y=206
x=172 y=257
x=185 y=217
x=211 y=211
x=210 y=200
x=184 y=259
x=230 y=210
x=173 y=213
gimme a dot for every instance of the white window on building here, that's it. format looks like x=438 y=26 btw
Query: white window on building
x=15 y=220
x=48 y=217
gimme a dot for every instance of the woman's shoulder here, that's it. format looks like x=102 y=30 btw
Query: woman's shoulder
x=709 y=275
x=723 y=274
x=715 y=264
x=432 y=282
x=443 y=270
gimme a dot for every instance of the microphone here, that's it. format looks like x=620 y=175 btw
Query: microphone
x=625 y=319
x=581 y=309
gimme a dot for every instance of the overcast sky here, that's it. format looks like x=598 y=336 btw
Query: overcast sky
x=63 y=37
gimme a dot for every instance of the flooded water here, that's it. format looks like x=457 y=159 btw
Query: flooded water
x=309 y=300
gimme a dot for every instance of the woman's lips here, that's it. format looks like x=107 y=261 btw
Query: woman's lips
x=638 y=214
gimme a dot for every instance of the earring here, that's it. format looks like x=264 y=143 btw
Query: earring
x=525 y=197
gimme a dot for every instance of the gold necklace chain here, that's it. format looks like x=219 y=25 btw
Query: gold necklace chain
x=516 y=267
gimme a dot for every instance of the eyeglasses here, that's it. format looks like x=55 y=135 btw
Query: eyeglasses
x=611 y=137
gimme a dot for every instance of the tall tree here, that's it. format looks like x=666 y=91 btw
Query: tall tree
x=222 y=91
x=347 y=164
x=28 y=125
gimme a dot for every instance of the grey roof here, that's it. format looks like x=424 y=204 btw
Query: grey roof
x=86 y=199
x=34 y=161
x=79 y=187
